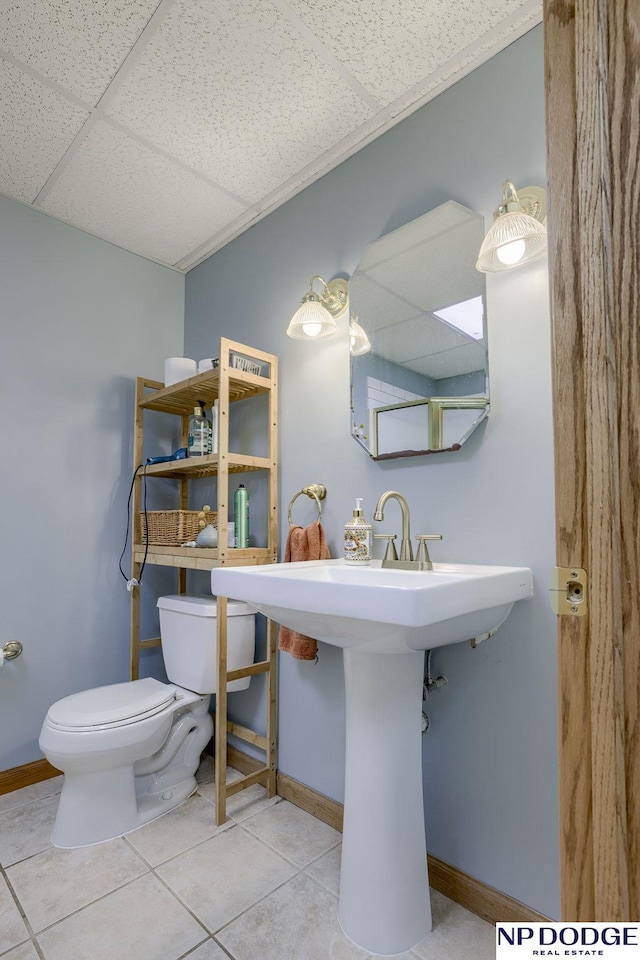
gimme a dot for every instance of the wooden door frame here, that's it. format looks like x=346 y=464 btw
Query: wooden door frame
x=592 y=84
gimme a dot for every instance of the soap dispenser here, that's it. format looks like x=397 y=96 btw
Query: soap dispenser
x=357 y=537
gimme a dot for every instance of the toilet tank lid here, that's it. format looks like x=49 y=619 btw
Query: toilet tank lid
x=201 y=605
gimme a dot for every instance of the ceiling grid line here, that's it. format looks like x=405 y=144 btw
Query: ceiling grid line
x=325 y=52
x=46 y=81
x=123 y=71
x=99 y=113
x=117 y=125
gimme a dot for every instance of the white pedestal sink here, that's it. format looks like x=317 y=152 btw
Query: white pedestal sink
x=384 y=619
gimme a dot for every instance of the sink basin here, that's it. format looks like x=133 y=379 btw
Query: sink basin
x=384 y=619
x=380 y=610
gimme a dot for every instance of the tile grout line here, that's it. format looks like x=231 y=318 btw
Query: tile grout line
x=30 y=931
x=213 y=933
x=192 y=950
x=73 y=913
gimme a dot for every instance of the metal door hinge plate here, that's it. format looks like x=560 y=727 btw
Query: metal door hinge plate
x=568 y=591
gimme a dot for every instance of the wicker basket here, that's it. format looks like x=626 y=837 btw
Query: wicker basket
x=171 y=528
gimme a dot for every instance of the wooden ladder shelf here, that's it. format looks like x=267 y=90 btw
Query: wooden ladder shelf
x=227 y=383
x=223 y=726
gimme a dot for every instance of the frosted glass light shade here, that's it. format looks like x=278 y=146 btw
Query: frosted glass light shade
x=311 y=321
x=359 y=342
x=518 y=234
x=515 y=238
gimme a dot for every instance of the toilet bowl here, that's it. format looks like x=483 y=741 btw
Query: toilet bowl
x=129 y=751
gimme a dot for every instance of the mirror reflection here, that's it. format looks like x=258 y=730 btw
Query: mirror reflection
x=424 y=385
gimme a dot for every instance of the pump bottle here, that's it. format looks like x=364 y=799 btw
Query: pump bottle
x=357 y=537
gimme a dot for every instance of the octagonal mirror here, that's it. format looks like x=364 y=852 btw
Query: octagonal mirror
x=424 y=385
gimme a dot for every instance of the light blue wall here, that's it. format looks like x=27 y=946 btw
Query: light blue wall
x=490 y=758
x=79 y=320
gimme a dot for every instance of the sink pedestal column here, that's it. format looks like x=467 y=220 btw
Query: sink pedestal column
x=384 y=887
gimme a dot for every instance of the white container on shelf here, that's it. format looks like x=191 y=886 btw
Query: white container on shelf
x=177 y=369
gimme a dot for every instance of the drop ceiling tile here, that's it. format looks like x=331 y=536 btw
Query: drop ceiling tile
x=450 y=363
x=234 y=91
x=402 y=341
x=124 y=192
x=376 y=307
x=391 y=45
x=528 y=15
x=38 y=125
x=79 y=44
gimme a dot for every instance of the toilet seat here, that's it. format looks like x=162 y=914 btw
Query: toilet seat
x=115 y=705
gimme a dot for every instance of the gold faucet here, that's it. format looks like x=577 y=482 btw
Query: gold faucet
x=405 y=561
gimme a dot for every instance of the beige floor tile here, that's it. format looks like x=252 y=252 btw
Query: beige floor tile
x=56 y=883
x=26 y=951
x=36 y=791
x=223 y=876
x=26 y=830
x=299 y=921
x=242 y=805
x=189 y=824
x=142 y=921
x=326 y=870
x=249 y=802
x=207 y=771
x=12 y=926
x=457 y=934
x=293 y=832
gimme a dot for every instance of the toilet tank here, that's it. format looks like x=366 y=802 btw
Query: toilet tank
x=189 y=641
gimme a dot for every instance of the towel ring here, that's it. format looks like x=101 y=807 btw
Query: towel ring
x=317 y=491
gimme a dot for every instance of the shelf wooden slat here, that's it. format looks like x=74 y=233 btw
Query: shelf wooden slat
x=249 y=736
x=206 y=466
x=180 y=398
x=253 y=670
x=260 y=776
x=202 y=558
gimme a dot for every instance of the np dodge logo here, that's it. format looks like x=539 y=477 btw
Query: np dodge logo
x=609 y=941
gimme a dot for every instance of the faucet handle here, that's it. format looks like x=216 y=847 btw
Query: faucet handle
x=391 y=553
x=423 y=553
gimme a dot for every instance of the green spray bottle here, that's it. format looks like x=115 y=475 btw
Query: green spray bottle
x=241 y=516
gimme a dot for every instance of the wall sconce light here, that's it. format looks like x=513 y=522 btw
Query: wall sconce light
x=518 y=234
x=359 y=342
x=317 y=314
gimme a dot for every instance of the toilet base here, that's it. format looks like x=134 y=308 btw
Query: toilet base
x=100 y=805
x=87 y=813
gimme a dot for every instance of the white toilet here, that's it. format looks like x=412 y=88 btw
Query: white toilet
x=129 y=751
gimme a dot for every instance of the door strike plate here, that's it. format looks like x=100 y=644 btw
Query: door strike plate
x=568 y=591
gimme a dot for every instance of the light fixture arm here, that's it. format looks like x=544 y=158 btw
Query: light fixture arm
x=334 y=296
x=507 y=206
x=530 y=200
x=311 y=296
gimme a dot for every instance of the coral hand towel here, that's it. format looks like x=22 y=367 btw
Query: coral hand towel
x=303 y=543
